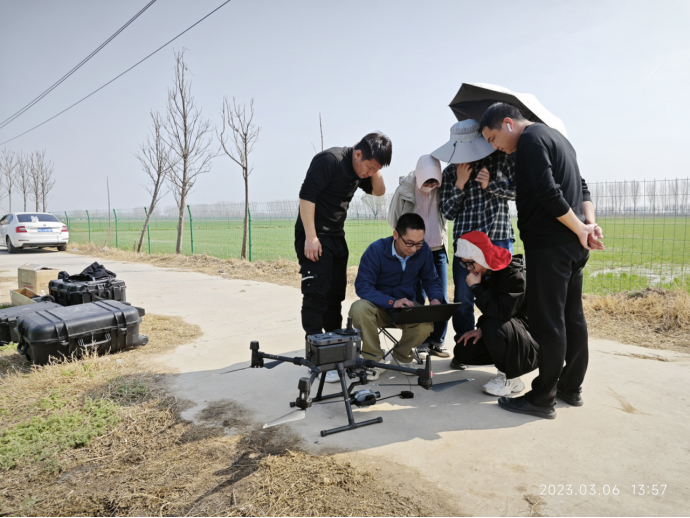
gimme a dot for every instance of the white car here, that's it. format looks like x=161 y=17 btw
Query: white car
x=33 y=230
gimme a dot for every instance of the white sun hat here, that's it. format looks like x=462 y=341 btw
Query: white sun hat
x=466 y=144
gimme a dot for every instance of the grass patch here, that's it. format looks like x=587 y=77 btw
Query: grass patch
x=41 y=439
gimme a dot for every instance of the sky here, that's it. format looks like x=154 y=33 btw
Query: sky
x=616 y=72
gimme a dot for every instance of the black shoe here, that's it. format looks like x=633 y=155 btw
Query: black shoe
x=438 y=350
x=520 y=405
x=457 y=365
x=572 y=398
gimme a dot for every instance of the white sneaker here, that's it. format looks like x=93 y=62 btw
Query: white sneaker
x=497 y=381
x=507 y=387
x=332 y=377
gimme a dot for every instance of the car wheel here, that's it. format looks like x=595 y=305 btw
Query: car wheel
x=62 y=248
x=10 y=248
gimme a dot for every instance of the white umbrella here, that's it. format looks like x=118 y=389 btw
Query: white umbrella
x=473 y=99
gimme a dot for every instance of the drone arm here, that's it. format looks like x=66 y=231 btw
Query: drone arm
x=258 y=358
x=390 y=367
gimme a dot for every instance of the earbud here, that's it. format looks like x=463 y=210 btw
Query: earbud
x=510 y=128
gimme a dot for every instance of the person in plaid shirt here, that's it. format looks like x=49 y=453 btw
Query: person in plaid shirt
x=475 y=190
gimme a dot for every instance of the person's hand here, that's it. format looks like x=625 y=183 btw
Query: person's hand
x=583 y=234
x=483 y=177
x=598 y=233
x=403 y=303
x=593 y=240
x=473 y=278
x=312 y=248
x=475 y=333
x=463 y=172
x=435 y=302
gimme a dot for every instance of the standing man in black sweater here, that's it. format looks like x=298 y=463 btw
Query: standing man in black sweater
x=332 y=180
x=557 y=226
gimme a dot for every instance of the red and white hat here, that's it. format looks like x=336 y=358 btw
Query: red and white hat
x=477 y=247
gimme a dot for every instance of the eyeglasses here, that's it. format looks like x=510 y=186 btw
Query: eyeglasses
x=468 y=264
x=412 y=245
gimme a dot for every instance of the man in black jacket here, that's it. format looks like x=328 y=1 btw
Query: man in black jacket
x=557 y=227
x=332 y=180
x=502 y=338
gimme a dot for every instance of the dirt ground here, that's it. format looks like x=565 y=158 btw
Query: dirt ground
x=155 y=463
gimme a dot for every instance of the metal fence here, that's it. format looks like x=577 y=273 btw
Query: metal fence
x=645 y=229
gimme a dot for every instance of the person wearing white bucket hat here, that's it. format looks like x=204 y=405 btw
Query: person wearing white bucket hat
x=475 y=190
x=418 y=193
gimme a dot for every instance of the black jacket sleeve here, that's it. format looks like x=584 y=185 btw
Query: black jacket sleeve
x=507 y=302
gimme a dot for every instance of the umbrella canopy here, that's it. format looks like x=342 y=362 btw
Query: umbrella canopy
x=473 y=99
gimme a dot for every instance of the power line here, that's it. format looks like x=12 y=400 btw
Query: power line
x=117 y=77
x=63 y=78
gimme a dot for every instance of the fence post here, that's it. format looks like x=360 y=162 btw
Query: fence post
x=191 y=228
x=67 y=219
x=148 y=229
x=116 y=240
x=249 y=224
x=88 y=219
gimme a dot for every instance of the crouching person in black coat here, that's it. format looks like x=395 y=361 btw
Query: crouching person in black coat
x=502 y=336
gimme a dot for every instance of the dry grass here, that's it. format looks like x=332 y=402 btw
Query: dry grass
x=146 y=460
x=282 y=272
x=654 y=318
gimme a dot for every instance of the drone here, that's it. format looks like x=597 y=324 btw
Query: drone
x=339 y=350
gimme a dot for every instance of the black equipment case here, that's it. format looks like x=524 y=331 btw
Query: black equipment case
x=80 y=289
x=8 y=319
x=105 y=326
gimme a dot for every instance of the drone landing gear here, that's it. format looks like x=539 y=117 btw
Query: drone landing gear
x=345 y=394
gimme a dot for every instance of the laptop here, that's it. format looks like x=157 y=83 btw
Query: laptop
x=420 y=314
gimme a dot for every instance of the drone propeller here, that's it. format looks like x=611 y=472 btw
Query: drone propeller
x=440 y=387
x=287 y=418
x=437 y=387
x=269 y=365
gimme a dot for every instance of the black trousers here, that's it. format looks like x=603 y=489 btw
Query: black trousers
x=557 y=320
x=324 y=284
x=507 y=345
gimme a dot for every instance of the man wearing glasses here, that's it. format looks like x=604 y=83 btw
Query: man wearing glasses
x=388 y=273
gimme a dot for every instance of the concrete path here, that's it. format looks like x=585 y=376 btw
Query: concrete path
x=633 y=430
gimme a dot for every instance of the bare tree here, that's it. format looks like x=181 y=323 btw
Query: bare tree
x=35 y=178
x=9 y=163
x=187 y=135
x=156 y=161
x=674 y=194
x=47 y=184
x=23 y=178
x=242 y=139
x=684 y=187
x=376 y=204
x=40 y=179
x=611 y=197
x=650 y=191
x=634 y=194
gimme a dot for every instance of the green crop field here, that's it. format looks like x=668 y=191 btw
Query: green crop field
x=641 y=252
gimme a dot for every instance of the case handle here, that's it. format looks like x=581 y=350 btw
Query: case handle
x=94 y=344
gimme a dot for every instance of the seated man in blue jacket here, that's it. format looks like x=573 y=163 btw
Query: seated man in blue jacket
x=388 y=273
